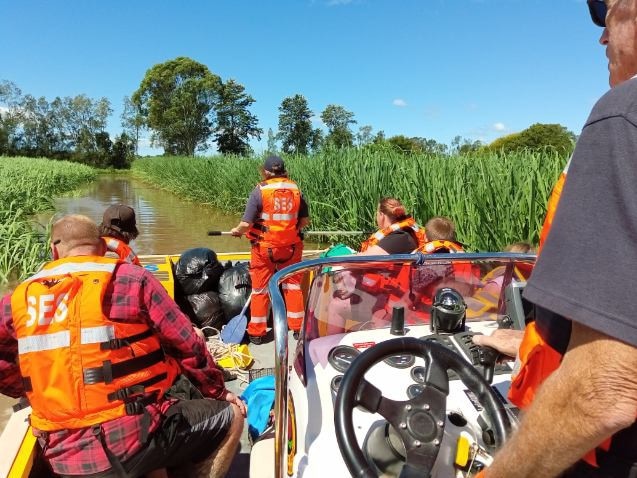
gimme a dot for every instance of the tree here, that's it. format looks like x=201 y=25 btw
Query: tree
x=364 y=135
x=236 y=125
x=295 y=125
x=10 y=99
x=271 y=148
x=337 y=119
x=537 y=137
x=461 y=146
x=177 y=99
x=132 y=122
x=81 y=120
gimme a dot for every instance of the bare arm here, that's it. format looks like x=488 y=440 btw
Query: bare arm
x=373 y=251
x=304 y=222
x=590 y=397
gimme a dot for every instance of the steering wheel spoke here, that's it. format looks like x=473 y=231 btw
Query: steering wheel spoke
x=418 y=422
x=368 y=396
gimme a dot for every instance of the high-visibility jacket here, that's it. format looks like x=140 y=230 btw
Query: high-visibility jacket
x=122 y=249
x=551 y=206
x=408 y=225
x=79 y=367
x=433 y=247
x=277 y=225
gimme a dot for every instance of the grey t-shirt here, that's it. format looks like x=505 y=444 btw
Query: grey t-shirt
x=587 y=269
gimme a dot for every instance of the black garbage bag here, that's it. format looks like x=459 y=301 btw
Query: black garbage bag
x=234 y=289
x=205 y=310
x=198 y=270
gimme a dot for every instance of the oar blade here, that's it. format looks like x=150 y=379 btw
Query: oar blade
x=234 y=330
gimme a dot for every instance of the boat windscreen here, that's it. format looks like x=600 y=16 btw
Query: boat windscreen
x=364 y=296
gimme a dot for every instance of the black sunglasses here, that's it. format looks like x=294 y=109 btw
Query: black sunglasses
x=597 y=9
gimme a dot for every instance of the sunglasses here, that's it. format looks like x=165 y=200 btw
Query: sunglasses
x=597 y=9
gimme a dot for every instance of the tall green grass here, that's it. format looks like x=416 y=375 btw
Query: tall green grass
x=28 y=186
x=494 y=200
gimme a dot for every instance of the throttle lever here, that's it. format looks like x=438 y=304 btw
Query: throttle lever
x=488 y=357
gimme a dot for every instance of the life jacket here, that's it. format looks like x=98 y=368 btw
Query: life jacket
x=433 y=247
x=277 y=225
x=79 y=367
x=408 y=225
x=551 y=206
x=122 y=249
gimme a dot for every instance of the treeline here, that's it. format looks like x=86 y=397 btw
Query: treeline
x=184 y=108
x=72 y=128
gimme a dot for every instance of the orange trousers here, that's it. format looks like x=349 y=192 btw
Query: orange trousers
x=264 y=262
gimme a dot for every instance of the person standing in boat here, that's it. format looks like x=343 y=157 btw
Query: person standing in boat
x=274 y=216
x=118 y=228
x=578 y=377
x=100 y=347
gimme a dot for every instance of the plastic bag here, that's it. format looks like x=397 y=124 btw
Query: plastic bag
x=234 y=289
x=198 y=270
x=205 y=310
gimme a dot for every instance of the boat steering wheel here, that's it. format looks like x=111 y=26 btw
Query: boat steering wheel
x=420 y=421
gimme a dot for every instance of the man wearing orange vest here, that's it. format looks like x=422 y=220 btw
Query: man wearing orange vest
x=578 y=380
x=117 y=229
x=100 y=347
x=274 y=216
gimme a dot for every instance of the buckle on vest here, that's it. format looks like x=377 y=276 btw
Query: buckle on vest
x=134 y=408
x=112 y=344
x=127 y=392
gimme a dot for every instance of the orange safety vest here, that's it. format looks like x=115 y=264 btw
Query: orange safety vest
x=432 y=247
x=122 y=249
x=278 y=224
x=551 y=206
x=79 y=367
x=408 y=225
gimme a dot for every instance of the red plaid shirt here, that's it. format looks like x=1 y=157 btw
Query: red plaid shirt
x=134 y=292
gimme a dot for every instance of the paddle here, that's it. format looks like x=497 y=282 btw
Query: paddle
x=309 y=233
x=235 y=329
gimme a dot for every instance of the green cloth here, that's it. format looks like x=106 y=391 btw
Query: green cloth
x=339 y=249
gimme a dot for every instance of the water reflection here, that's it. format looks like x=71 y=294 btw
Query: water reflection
x=167 y=224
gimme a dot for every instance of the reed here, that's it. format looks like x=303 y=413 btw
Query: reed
x=27 y=186
x=493 y=199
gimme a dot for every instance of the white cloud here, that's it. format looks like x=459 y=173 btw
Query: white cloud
x=399 y=102
x=499 y=127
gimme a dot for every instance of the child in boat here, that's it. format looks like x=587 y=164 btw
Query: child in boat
x=117 y=229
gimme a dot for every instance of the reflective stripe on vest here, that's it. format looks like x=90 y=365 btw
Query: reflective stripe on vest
x=277 y=225
x=408 y=225
x=78 y=362
x=432 y=247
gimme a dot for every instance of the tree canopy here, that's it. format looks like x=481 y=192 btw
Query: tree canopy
x=537 y=137
x=236 y=125
x=295 y=125
x=177 y=99
x=337 y=119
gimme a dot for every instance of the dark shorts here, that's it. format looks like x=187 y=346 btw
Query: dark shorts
x=190 y=433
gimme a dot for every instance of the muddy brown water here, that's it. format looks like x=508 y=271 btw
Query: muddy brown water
x=167 y=224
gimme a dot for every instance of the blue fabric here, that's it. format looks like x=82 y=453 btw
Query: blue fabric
x=259 y=397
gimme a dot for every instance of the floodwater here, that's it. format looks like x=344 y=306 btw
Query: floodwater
x=167 y=224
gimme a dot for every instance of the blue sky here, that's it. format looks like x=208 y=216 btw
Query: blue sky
x=431 y=68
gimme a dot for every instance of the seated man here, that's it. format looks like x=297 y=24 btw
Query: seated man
x=100 y=345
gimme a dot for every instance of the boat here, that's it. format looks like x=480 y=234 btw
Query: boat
x=380 y=390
